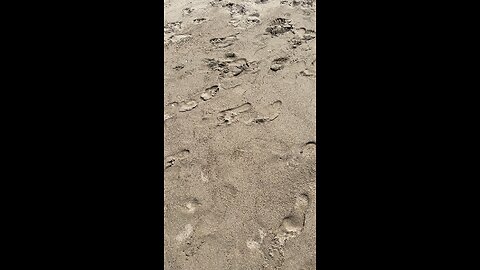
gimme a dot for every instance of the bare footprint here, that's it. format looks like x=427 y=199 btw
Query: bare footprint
x=172 y=160
x=293 y=224
x=179 y=38
x=210 y=93
x=186 y=106
x=230 y=116
x=171 y=109
x=270 y=113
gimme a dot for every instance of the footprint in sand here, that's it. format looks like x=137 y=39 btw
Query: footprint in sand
x=178 y=38
x=172 y=160
x=279 y=26
x=291 y=227
x=296 y=221
x=293 y=224
x=186 y=106
x=232 y=66
x=210 y=93
x=269 y=113
x=171 y=33
x=223 y=42
x=305 y=34
x=302 y=35
x=230 y=116
x=278 y=63
x=171 y=109
x=237 y=66
x=172 y=27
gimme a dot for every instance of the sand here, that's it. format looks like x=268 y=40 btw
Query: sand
x=240 y=134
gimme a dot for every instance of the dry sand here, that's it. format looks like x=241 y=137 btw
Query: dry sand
x=240 y=140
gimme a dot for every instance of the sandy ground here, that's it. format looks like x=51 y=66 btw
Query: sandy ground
x=240 y=140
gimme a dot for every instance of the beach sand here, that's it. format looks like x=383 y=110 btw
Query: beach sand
x=240 y=134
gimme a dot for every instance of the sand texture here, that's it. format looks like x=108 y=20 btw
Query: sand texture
x=240 y=139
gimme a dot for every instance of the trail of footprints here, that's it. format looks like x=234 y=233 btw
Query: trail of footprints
x=232 y=66
x=245 y=114
x=188 y=105
x=243 y=16
x=271 y=245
